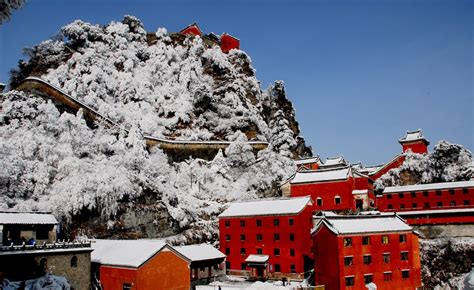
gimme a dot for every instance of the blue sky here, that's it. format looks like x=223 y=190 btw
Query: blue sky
x=360 y=73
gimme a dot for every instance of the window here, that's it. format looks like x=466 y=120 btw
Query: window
x=337 y=200
x=227 y=265
x=349 y=281
x=259 y=237
x=242 y=224
x=451 y=191
x=74 y=262
x=403 y=238
x=402 y=206
x=413 y=194
x=425 y=193
x=227 y=237
x=385 y=240
x=243 y=251
x=276 y=237
x=389 y=196
x=386 y=258
x=404 y=256
x=467 y=202
x=126 y=286
x=368 y=278
x=292 y=237
x=414 y=205
x=292 y=268
x=405 y=274
x=276 y=222
x=242 y=237
x=276 y=252
x=319 y=201
x=259 y=223
x=243 y=266
x=227 y=224
x=426 y=205
x=390 y=206
x=291 y=221
x=387 y=276
x=439 y=204
x=292 y=252
x=227 y=251
x=259 y=251
x=400 y=195
x=452 y=203
x=365 y=240
x=438 y=193
x=277 y=268
x=367 y=259
x=348 y=261
x=347 y=242
x=465 y=190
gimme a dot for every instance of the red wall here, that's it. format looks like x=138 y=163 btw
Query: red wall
x=191 y=30
x=415 y=147
x=377 y=267
x=434 y=219
x=114 y=277
x=302 y=239
x=393 y=200
x=308 y=166
x=228 y=42
x=395 y=163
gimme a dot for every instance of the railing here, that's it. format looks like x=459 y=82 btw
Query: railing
x=45 y=246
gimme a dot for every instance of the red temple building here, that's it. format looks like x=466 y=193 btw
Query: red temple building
x=192 y=29
x=311 y=163
x=414 y=142
x=229 y=42
x=353 y=251
x=226 y=41
x=268 y=238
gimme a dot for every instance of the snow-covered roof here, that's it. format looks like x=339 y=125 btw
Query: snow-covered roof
x=314 y=159
x=126 y=253
x=412 y=136
x=27 y=218
x=257 y=259
x=370 y=169
x=321 y=175
x=200 y=252
x=267 y=207
x=343 y=225
x=436 y=211
x=429 y=186
x=360 y=191
x=334 y=161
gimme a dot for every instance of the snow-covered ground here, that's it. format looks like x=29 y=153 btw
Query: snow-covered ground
x=237 y=284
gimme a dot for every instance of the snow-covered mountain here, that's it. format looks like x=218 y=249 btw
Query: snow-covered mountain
x=104 y=181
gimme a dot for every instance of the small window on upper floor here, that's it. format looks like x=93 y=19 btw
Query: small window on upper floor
x=276 y=237
x=387 y=276
x=276 y=252
x=367 y=259
x=276 y=222
x=400 y=195
x=451 y=191
x=243 y=251
x=319 y=201
x=259 y=237
x=347 y=242
x=405 y=274
x=227 y=224
x=465 y=190
x=439 y=204
x=292 y=237
x=385 y=240
x=413 y=194
x=242 y=224
x=403 y=238
x=227 y=251
x=348 y=261
x=425 y=193
x=389 y=196
x=386 y=258
x=365 y=240
x=337 y=199
x=227 y=237
x=259 y=223
x=291 y=221
x=439 y=193
x=292 y=252
x=242 y=237
x=404 y=256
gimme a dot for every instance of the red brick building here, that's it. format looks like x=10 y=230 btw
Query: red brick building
x=268 y=238
x=352 y=251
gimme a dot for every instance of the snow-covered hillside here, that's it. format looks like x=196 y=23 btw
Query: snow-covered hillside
x=52 y=160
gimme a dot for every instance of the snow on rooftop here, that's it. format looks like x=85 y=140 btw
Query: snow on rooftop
x=257 y=259
x=321 y=175
x=27 y=218
x=364 y=224
x=267 y=207
x=436 y=211
x=307 y=160
x=200 y=252
x=360 y=191
x=429 y=186
x=127 y=253
x=332 y=161
x=413 y=136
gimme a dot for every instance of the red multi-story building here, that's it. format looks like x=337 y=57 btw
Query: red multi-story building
x=268 y=238
x=311 y=163
x=353 y=251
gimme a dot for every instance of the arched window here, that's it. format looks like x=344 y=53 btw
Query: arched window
x=319 y=201
x=74 y=262
x=337 y=199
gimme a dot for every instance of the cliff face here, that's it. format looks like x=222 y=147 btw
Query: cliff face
x=103 y=181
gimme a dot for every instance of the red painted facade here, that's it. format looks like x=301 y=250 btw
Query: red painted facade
x=394 y=163
x=419 y=147
x=453 y=217
x=229 y=42
x=192 y=29
x=285 y=238
x=387 y=260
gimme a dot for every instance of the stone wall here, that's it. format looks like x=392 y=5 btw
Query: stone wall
x=446 y=231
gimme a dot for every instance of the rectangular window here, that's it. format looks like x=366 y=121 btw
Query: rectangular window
x=387 y=276
x=243 y=266
x=426 y=205
x=452 y=203
x=349 y=281
x=259 y=237
x=243 y=251
x=292 y=237
x=365 y=240
x=276 y=237
x=403 y=238
x=276 y=252
x=259 y=223
x=404 y=256
x=385 y=240
x=368 y=278
x=242 y=237
x=405 y=274
x=127 y=286
x=277 y=268
x=390 y=206
x=414 y=205
x=227 y=237
x=400 y=195
x=367 y=259
x=439 y=204
x=413 y=194
x=227 y=251
x=227 y=265
x=402 y=206
x=348 y=261
x=451 y=191
x=292 y=268
x=319 y=201
x=425 y=193
x=467 y=202
x=337 y=200
x=347 y=242
x=276 y=222
x=438 y=193
x=386 y=258
x=227 y=224
x=291 y=221
x=259 y=251
x=292 y=252
x=242 y=224
x=389 y=196
x=465 y=190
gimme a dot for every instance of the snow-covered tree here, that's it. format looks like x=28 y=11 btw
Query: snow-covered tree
x=6 y=7
x=282 y=138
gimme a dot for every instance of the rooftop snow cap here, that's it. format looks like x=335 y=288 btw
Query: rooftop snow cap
x=27 y=218
x=321 y=175
x=344 y=225
x=429 y=186
x=267 y=207
x=413 y=136
x=314 y=159
x=335 y=161
x=201 y=252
